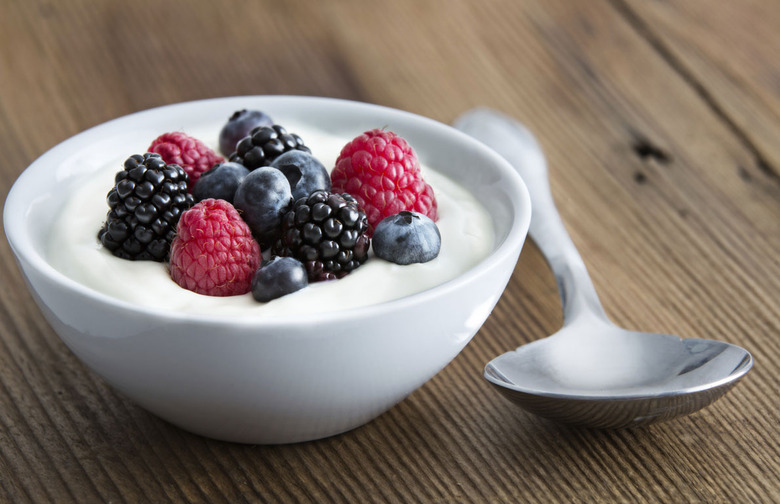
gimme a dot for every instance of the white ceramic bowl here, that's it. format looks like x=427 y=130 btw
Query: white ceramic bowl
x=283 y=379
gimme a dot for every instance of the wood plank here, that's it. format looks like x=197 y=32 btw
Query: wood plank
x=664 y=194
x=728 y=54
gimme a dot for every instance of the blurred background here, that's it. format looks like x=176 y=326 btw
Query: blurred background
x=643 y=106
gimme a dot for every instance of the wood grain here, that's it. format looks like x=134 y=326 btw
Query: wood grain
x=659 y=120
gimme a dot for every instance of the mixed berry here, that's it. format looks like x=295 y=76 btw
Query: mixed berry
x=214 y=252
x=278 y=277
x=327 y=232
x=262 y=198
x=304 y=172
x=271 y=218
x=264 y=144
x=188 y=152
x=406 y=238
x=220 y=182
x=145 y=205
x=380 y=169
x=238 y=126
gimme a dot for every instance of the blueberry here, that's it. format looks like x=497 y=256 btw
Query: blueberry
x=220 y=182
x=278 y=277
x=261 y=198
x=304 y=172
x=406 y=238
x=238 y=126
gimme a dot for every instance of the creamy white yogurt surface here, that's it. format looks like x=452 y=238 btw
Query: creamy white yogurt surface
x=465 y=226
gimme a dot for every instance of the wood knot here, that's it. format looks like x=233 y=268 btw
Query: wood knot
x=646 y=150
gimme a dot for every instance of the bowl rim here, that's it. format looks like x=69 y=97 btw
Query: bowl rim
x=22 y=247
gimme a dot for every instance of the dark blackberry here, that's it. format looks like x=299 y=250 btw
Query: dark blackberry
x=145 y=204
x=327 y=233
x=264 y=144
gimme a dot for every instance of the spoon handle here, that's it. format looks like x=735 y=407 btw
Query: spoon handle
x=517 y=145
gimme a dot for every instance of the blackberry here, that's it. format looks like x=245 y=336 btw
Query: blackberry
x=145 y=204
x=264 y=144
x=327 y=232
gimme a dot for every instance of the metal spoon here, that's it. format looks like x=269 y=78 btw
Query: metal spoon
x=592 y=373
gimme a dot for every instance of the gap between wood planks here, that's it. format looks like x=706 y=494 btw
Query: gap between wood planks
x=646 y=32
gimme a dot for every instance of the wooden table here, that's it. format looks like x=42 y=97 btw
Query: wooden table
x=661 y=123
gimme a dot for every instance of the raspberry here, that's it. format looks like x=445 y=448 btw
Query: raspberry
x=188 y=152
x=214 y=252
x=381 y=171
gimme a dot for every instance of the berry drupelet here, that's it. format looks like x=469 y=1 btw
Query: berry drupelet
x=264 y=144
x=194 y=156
x=327 y=232
x=145 y=204
x=214 y=253
x=381 y=170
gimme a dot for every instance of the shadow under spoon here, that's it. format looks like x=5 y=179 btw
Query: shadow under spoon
x=592 y=373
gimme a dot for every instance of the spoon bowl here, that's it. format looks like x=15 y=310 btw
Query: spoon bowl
x=592 y=373
x=616 y=378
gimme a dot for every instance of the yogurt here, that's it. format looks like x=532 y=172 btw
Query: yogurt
x=467 y=237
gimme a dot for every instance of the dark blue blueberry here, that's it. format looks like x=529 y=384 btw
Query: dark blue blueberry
x=238 y=126
x=220 y=182
x=278 y=277
x=305 y=173
x=261 y=198
x=406 y=238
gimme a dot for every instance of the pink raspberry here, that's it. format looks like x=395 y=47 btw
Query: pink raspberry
x=381 y=171
x=188 y=152
x=214 y=252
